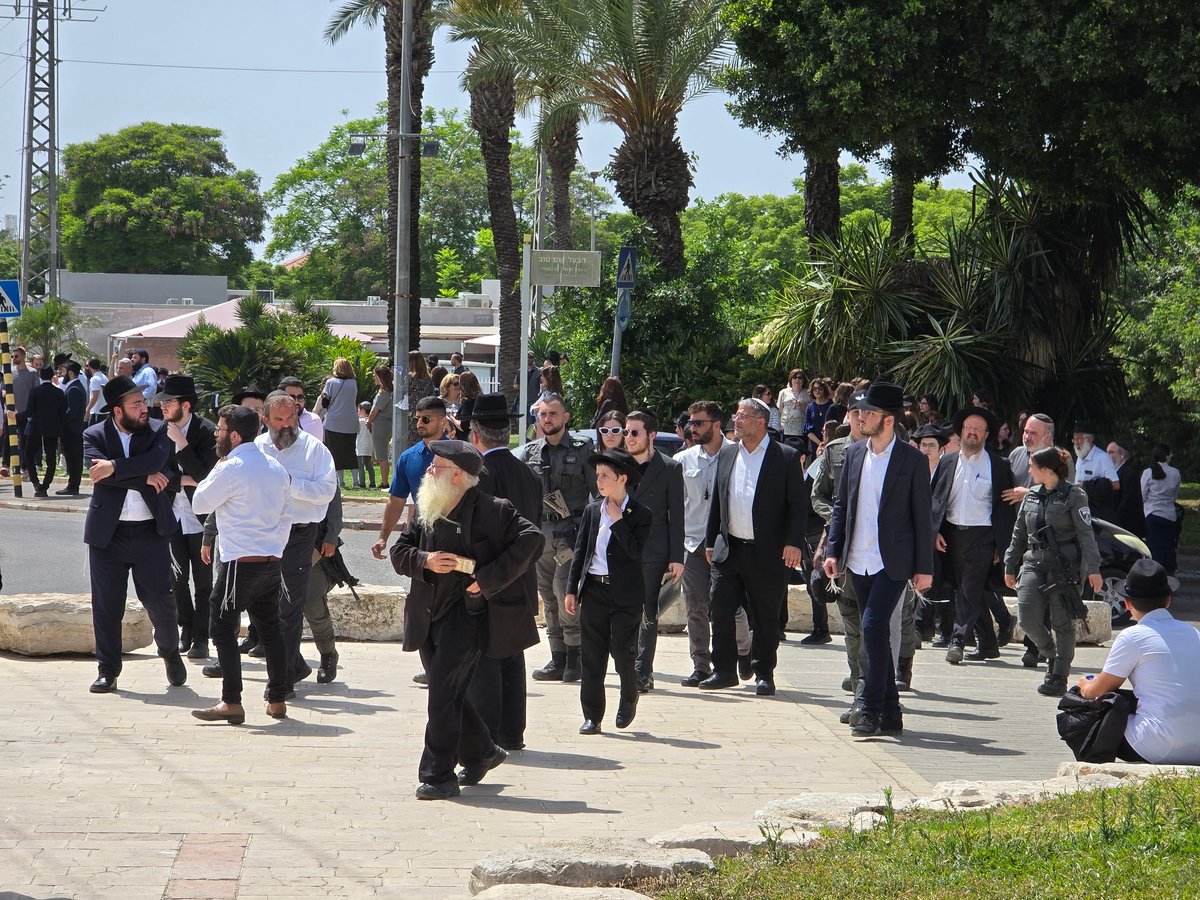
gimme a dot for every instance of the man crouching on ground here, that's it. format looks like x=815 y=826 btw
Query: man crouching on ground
x=465 y=553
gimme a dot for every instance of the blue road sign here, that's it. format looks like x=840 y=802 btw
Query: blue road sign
x=623 y=308
x=10 y=299
x=627 y=268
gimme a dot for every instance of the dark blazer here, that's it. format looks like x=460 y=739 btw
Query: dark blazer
x=77 y=399
x=149 y=452
x=1004 y=515
x=504 y=545
x=779 y=504
x=508 y=478
x=626 y=544
x=198 y=458
x=46 y=412
x=661 y=491
x=905 y=511
x=1131 y=514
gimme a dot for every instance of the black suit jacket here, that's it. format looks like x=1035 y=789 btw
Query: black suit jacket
x=504 y=545
x=779 y=503
x=46 y=412
x=508 y=478
x=198 y=458
x=626 y=543
x=77 y=400
x=149 y=452
x=1131 y=513
x=661 y=491
x=1004 y=515
x=905 y=511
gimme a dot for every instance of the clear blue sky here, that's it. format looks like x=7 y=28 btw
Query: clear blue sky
x=271 y=119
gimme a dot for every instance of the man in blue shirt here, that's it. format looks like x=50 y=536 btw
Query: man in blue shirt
x=410 y=468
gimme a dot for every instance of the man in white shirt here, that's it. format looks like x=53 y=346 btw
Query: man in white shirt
x=1095 y=473
x=1160 y=656
x=251 y=492
x=313 y=485
x=96 y=409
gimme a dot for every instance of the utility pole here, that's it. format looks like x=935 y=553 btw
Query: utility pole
x=403 y=250
x=39 y=218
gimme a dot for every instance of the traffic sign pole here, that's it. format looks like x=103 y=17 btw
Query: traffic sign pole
x=626 y=281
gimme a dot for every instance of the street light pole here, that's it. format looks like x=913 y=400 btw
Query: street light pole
x=403 y=296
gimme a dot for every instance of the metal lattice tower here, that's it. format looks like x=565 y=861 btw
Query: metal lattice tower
x=39 y=219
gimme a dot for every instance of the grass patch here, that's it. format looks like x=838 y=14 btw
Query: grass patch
x=1189 y=535
x=1138 y=841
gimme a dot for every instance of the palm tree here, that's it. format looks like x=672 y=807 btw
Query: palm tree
x=369 y=12
x=51 y=327
x=635 y=63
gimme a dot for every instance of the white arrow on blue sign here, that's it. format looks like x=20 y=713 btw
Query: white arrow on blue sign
x=623 y=308
x=10 y=299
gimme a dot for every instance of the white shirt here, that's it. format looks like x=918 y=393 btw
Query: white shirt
x=96 y=384
x=743 y=481
x=1159 y=495
x=699 y=479
x=971 y=491
x=1160 y=656
x=182 y=507
x=251 y=491
x=311 y=423
x=599 y=563
x=1094 y=466
x=147 y=379
x=863 y=556
x=134 y=509
x=314 y=480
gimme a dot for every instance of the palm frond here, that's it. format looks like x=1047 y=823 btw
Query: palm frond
x=351 y=14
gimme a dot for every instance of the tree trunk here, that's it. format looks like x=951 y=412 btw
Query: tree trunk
x=493 y=112
x=822 y=200
x=653 y=176
x=422 y=62
x=562 y=150
x=392 y=35
x=903 y=185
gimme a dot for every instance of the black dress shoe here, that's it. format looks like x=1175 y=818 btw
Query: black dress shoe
x=982 y=655
x=868 y=726
x=589 y=727
x=954 y=652
x=258 y=651
x=473 y=774
x=199 y=650
x=716 y=681
x=105 y=684
x=176 y=670
x=212 y=671
x=328 y=670
x=745 y=668
x=40 y=493
x=1029 y=659
x=300 y=674
x=247 y=645
x=941 y=642
x=212 y=714
x=626 y=713
x=848 y=684
x=694 y=679
x=185 y=638
x=817 y=637
x=68 y=492
x=645 y=684
x=852 y=715
x=443 y=790
x=421 y=678
x=893 y=725
x=765 y=688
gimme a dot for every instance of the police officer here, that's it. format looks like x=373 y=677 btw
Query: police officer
x=1044 y=577
x=568 y=483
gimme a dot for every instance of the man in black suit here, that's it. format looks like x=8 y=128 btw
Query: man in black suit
x=72 y=436
x=755 y=532
x=128 y=529
x=660 y=490
x=974 y=525
x=498 y=689
x=42 y=423
x=466 y=554
x=1131 y=514
x=882 y=531
x=194 y=453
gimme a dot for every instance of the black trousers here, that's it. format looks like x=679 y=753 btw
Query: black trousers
x=255 y=588
x=454 y=730
x=606 y=629
x=647 y=645
x=35 y=446
x=72 y=450
x=296 y=566
x=970 y=552
x=744 y=580
x=185 y=550
x=498 y=694
x=137 y=548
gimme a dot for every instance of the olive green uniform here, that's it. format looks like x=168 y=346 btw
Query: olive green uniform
x=1039 y=578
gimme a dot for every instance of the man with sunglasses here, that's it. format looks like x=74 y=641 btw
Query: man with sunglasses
x=430 y=419
x=309 y=421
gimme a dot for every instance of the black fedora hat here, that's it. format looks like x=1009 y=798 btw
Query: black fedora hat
x=177 y=387
x=1147 y=580
x=931 y=431
x=622 y=461
x=118 y=387
x=250 y=390
x=993 y=424
x=492 y=409
x=880 y=395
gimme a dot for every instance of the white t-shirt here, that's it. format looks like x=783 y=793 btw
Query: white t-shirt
x=1160 y=656
x=97 y=383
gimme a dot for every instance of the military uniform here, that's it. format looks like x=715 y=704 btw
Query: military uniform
x=567 y=487
x=1040 y=581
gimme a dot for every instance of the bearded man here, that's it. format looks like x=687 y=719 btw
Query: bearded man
x=467 y=554
x=128 y=529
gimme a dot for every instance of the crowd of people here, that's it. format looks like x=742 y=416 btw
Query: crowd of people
x=912 y=523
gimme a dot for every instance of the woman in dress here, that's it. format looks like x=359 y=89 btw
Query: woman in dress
x=815 y=412
x=379 y=420
x=1160 y=490
x=420 y=385
x=340 y=399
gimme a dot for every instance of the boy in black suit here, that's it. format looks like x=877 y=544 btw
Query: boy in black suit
x=43 y=421
x=607 y=572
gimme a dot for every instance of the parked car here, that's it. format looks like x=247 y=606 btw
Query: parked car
x=1119 y=550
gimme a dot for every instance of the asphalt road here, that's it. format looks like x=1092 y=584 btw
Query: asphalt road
x=43 y=552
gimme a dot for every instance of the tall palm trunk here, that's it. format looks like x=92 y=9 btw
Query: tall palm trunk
x=422 y=62
x=562 y=149
x=493 y=112
x=822 y=195
x=903 y=185
x=393 y=20
x=652 y=177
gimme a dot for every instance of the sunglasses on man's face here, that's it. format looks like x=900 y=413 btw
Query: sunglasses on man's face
x=424 y=420
x=633 y=432
x=611 y=430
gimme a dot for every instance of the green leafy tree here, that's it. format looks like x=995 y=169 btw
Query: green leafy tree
x=160 y=199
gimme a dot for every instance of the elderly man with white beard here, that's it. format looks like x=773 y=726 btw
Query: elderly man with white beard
x=466 y=554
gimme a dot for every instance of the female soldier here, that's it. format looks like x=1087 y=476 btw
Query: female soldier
x=1052 y=506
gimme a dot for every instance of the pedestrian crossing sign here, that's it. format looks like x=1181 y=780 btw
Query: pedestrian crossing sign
x=10 y=299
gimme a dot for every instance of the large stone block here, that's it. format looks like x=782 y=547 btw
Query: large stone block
x=585 y=863
x=1125 y=771
x=557 y=892
x=730 y=838
x=811 y=811
x=986 y=794
x=376 y=615
x=1095 y=629
x=44 y=624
